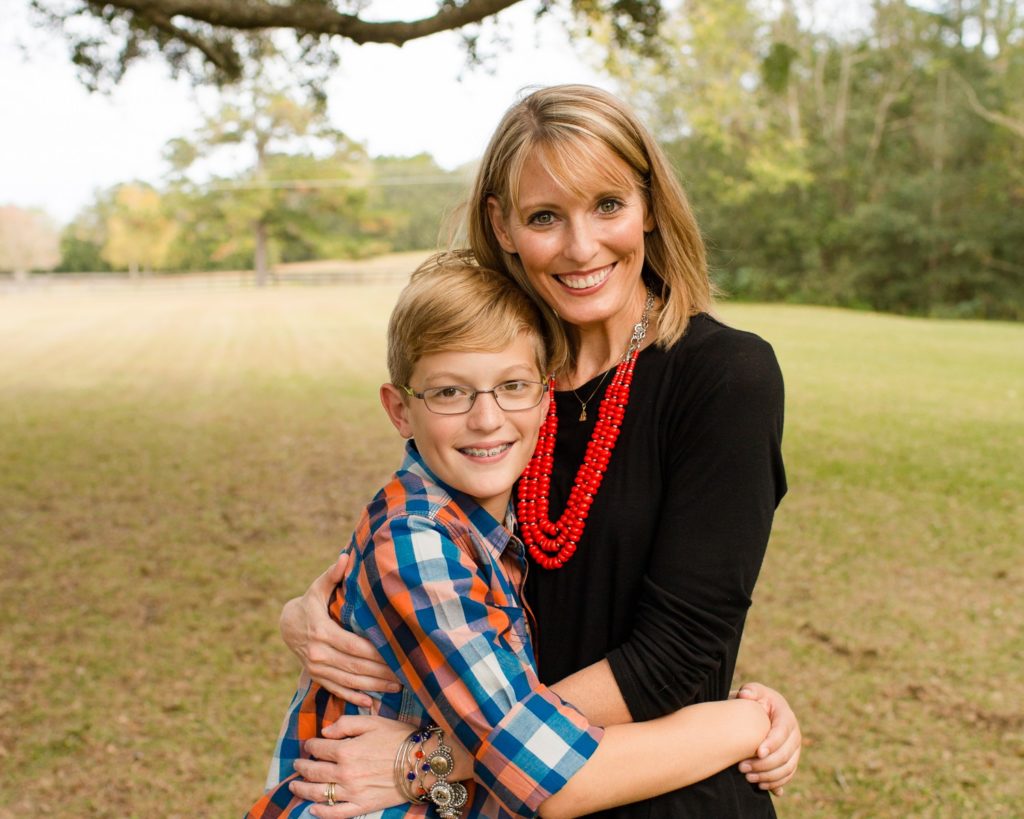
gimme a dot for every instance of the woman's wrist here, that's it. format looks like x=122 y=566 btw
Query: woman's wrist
x=421 y=774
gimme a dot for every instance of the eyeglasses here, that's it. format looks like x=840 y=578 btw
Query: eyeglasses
x=456 y=399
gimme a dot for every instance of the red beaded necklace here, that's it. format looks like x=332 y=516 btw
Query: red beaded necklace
x=552 y=544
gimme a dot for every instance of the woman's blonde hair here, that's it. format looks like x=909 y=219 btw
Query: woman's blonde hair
x=569 y=129
x=452 y=304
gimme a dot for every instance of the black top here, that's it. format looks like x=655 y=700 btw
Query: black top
x=665 y=570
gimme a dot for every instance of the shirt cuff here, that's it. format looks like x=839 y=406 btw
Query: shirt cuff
x=534 y=751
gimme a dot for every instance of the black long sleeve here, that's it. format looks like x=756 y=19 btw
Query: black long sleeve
x=724 y=478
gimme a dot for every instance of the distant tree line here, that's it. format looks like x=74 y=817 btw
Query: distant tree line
x=308 y=208
x=305 y=191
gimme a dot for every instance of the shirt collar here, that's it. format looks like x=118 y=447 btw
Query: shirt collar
x=496 y=533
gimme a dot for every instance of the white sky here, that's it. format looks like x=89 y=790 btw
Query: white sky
x=59 y=144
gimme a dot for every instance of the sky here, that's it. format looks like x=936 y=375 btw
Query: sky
x=59 y=144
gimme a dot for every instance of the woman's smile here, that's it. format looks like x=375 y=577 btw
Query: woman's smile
x=587 y=279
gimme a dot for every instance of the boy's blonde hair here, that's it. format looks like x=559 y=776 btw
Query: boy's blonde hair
x=452 y=304
x=569 y=129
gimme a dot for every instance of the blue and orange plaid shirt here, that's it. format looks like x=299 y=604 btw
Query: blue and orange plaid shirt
x=434 y=584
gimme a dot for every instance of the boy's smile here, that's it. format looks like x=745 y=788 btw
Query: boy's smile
x=481 y=452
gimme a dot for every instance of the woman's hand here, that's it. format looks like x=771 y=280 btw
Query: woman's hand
x=778 y=756
x=358 y=756
x=343 y=663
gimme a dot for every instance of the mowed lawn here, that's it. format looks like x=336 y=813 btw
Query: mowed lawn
x=174 y=465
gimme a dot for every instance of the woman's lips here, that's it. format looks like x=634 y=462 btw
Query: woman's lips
x=584 y=281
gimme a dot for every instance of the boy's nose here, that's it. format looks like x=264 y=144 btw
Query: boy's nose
x=485 y=412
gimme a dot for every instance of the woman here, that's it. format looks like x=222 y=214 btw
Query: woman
x=642 y=583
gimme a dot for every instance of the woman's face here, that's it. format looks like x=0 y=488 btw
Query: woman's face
x=583 y=252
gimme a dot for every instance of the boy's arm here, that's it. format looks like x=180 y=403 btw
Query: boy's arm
x=641 y=760
x=427 y=609
x=596 y=693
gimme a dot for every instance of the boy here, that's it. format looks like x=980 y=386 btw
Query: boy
x=435 y=574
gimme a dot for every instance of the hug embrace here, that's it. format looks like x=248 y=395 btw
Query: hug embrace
x=541 y=611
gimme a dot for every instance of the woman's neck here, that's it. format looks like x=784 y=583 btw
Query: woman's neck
x=601 y=345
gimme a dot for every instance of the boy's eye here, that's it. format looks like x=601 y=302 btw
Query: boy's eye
x=448 y=393
x=512 y=387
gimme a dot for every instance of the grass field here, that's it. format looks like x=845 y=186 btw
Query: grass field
x=174 y=465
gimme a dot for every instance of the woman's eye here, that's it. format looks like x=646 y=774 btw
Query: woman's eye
x=609 y=205
x=544 y=217
x=512 y=387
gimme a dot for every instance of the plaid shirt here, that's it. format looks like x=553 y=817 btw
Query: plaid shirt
x=433 y=584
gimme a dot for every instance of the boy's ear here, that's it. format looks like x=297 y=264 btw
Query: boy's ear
x=498 y=224
x=395 y=405
x=545 y=404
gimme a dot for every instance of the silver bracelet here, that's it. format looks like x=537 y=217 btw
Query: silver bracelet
x=448 y=797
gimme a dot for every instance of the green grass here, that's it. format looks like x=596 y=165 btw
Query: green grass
x=174 y=465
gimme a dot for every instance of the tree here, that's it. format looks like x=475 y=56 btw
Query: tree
x=213 y=40
x=881 y=167
x=28 y=240
x=282 y=134
x=83 y=239
x=139 y=231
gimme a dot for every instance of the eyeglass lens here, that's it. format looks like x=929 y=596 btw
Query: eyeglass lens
x=511 y=396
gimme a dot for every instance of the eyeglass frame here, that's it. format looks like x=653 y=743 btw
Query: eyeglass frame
x=473 y=393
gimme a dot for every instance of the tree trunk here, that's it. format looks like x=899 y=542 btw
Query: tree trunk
x=260 y=257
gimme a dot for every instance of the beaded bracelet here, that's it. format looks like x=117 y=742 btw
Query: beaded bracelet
x=448 y=797
x=405 y=774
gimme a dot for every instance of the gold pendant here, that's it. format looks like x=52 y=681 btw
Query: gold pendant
x=583 y=412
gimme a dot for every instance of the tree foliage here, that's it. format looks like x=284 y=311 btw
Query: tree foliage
x=139 y=231
x=290 y=146
x=28 y=240
x=880 y=168
x=220 y=40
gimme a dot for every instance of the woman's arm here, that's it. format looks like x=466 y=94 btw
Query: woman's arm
x=723 y=477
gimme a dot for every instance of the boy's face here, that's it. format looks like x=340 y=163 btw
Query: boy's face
x=483 y=451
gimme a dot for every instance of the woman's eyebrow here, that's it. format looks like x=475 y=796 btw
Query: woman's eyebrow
x=610 y=189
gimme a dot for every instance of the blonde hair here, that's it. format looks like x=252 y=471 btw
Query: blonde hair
x=569 y=128
x=452 y=304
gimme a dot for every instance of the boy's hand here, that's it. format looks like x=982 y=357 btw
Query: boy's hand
x=343 y=663
x=779 y=754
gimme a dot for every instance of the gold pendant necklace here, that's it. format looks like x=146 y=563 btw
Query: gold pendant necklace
x=583 y=404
